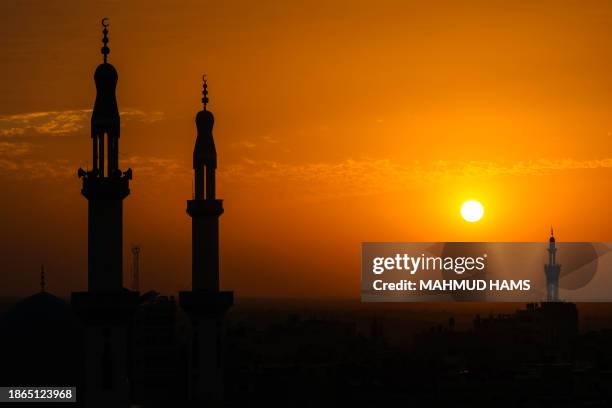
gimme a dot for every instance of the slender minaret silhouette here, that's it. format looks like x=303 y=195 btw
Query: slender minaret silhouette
x=105 y=186
x=205 y=304
x=552 y=270
x=205 y=153
x=106 y=308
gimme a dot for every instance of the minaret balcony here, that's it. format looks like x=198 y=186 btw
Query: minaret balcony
x=196 y=208
x=106 y=188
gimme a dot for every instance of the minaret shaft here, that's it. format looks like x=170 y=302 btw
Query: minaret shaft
x=106 y=308
x=205 y=244
x=205 y=304
x=105 y=232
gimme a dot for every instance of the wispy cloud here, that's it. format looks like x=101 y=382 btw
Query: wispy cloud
x=350 y=177
x=11 y=131
x=32 y=169
x=244 y=144
x=12 y=156
x=14 y=149
x=142 y=116
x=372 y=176
x=15 y=158
x=269 y=139
x=260 y=142
x=522 y=168
x=52 y=122
x=160 y=168
x=64 y=122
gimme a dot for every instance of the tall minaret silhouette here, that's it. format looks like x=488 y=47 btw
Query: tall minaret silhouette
x=552 y=271
x=105 y=186
x=205 y=304
x=106 y=308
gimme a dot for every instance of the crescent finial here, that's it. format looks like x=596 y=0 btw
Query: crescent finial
x=105 y=50
x=204 y=91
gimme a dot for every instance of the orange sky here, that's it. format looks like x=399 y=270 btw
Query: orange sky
x=336 y=122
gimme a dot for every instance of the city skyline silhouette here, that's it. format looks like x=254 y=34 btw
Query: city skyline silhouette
x=334 y=124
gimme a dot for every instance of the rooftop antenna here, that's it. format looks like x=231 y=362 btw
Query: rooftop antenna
x=42 y=278
x=105 y=50
x=136 y=267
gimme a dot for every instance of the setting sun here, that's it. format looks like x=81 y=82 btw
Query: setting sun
x=472 y=211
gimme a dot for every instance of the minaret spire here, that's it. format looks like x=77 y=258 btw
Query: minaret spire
x=204 y=153
x=105 y=186
x=105 y=120
x=105 y=50
x=204 y=91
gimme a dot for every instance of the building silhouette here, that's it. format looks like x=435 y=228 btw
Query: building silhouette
x=40 y=342
x=544 y=333
x=118 y=347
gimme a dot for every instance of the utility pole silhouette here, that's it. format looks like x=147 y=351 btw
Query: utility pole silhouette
x=42 y=278
x=136 y=267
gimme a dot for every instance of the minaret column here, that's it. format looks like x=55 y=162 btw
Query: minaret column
x=106 y=308
x=95 y=153
x=101 y=154
x=205 y=243
x=205 y=304
x=210 y=183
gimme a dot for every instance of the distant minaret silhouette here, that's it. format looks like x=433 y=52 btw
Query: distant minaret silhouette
x=552 y=271
x=205 y=304
x=106 y=308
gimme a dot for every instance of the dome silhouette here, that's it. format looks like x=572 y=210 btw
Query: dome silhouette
x=106 y=73
x=41 y=342
x=205 y=121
